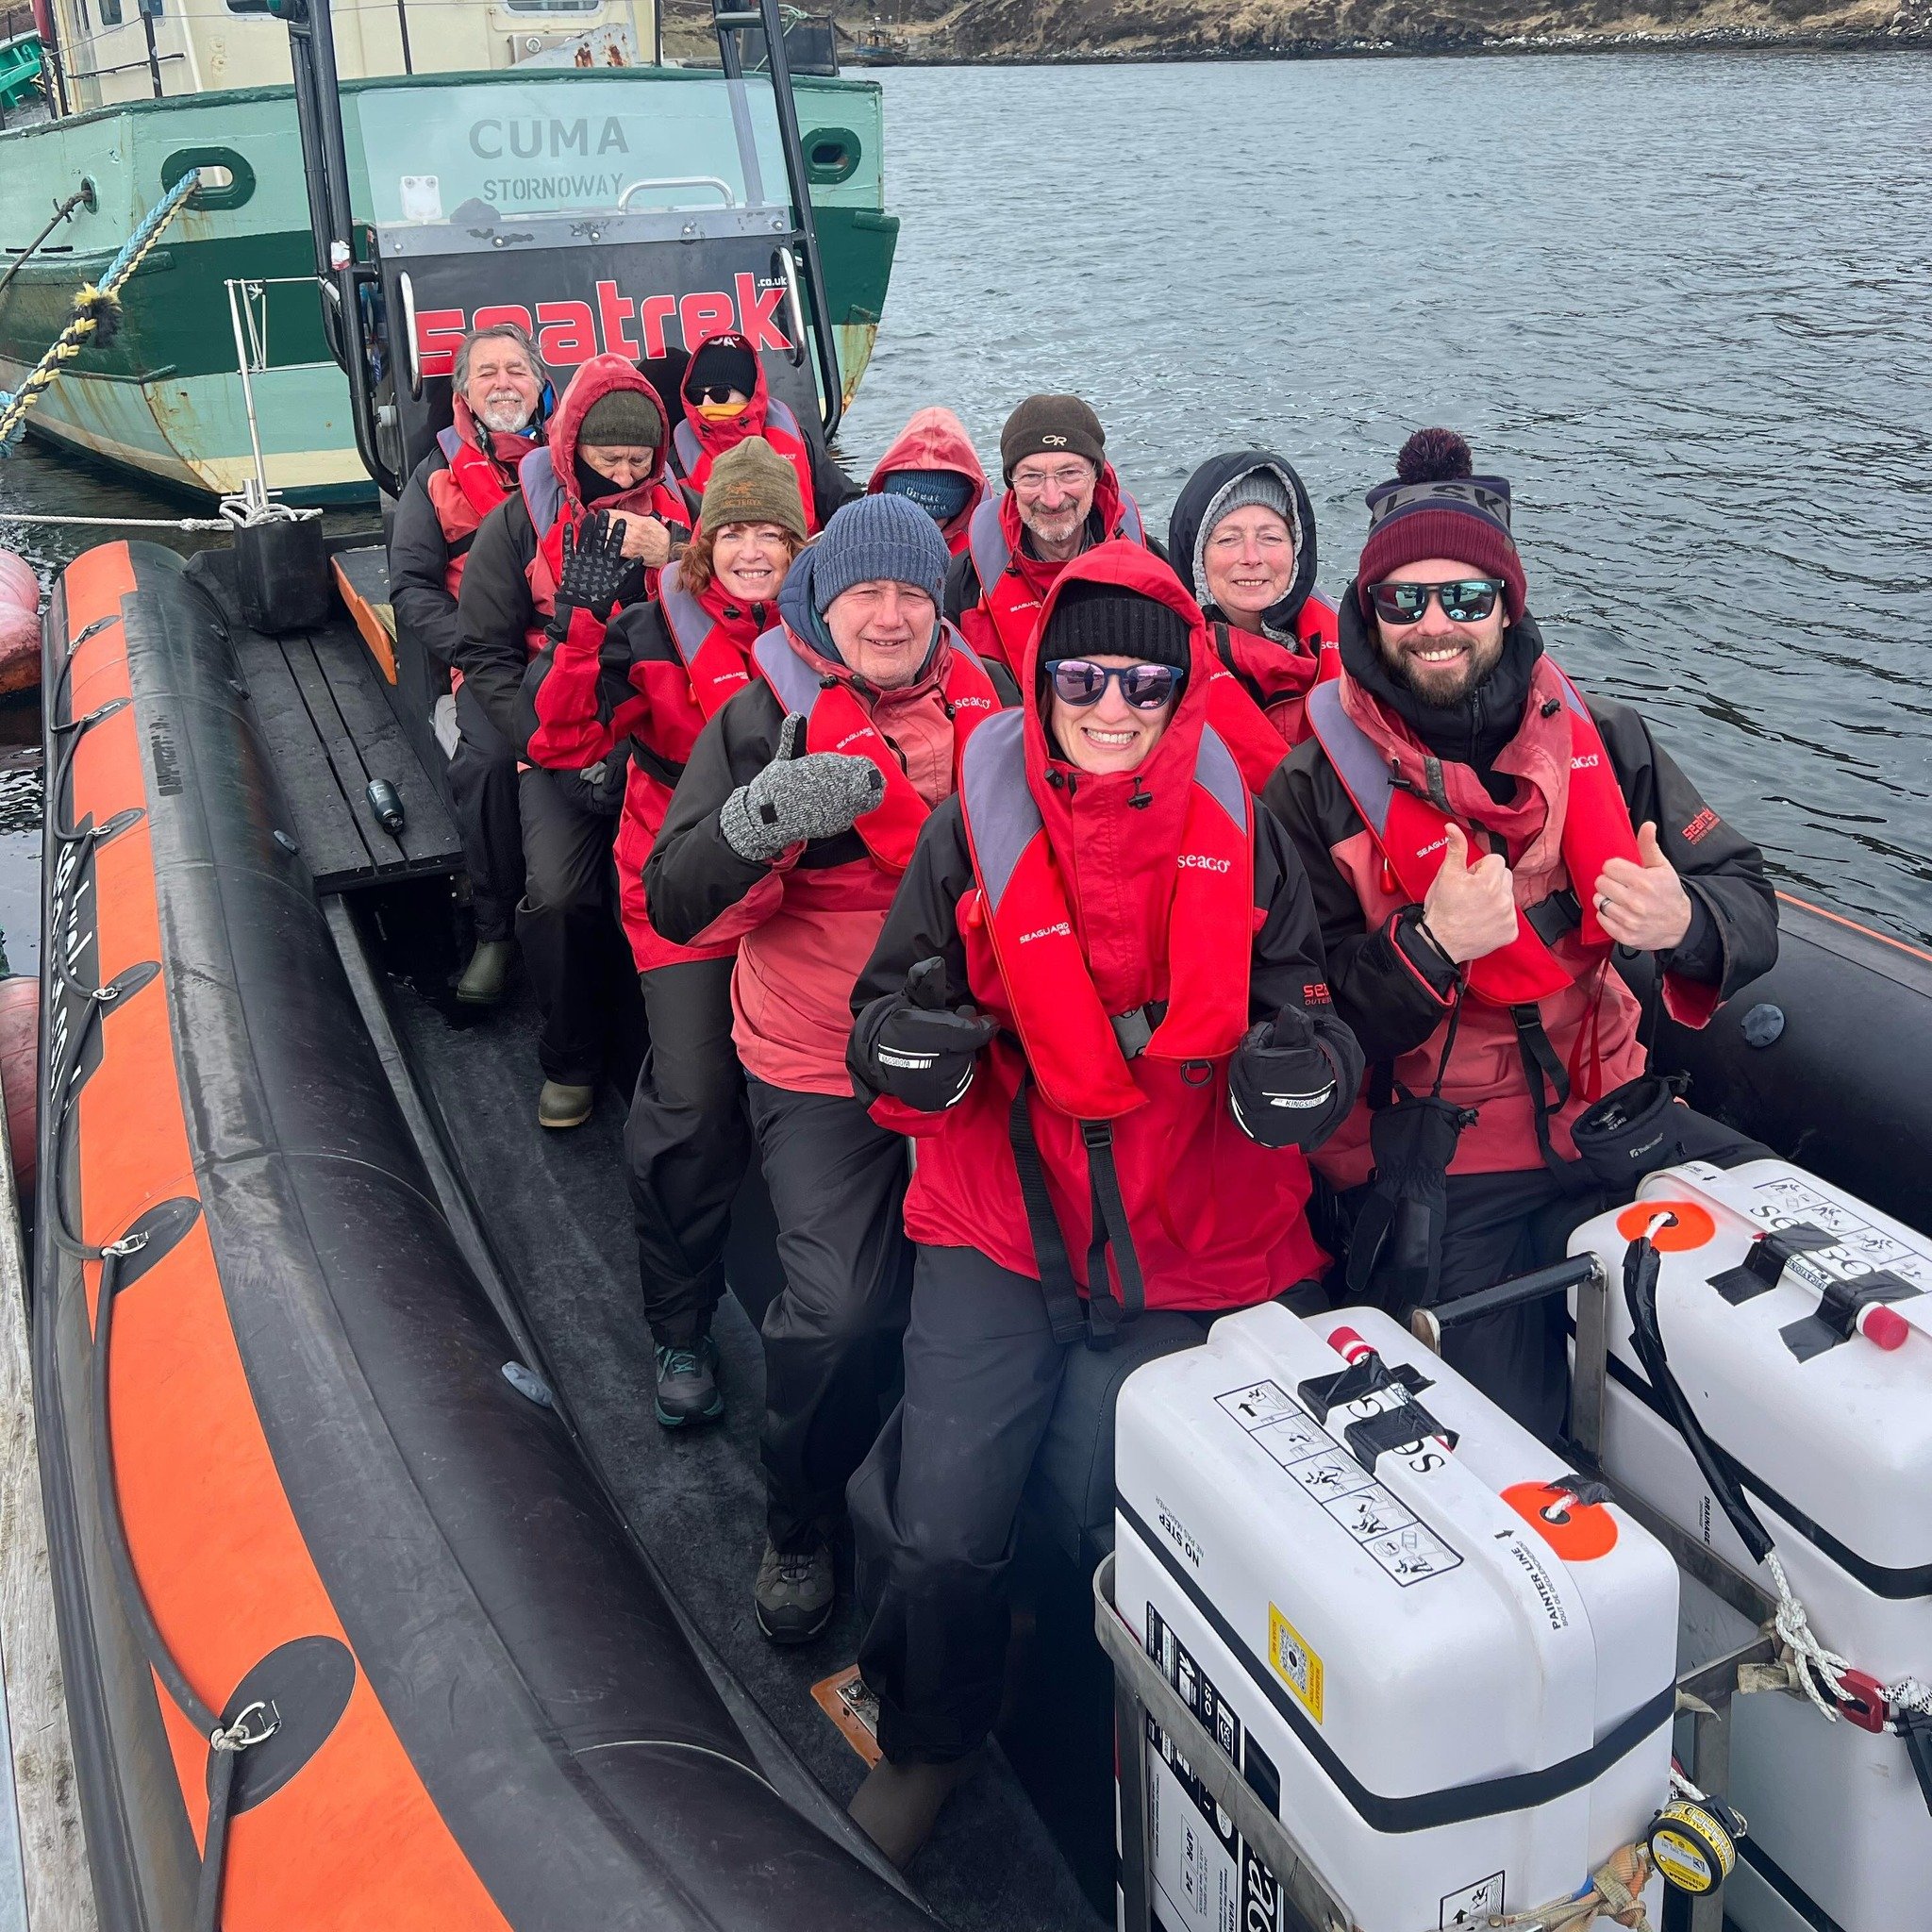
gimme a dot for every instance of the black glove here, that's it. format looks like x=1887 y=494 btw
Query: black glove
x=921 y=1051
x=595 y=573
x=1281 y=1083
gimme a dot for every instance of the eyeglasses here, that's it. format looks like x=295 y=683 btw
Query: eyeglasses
x=1146 y=687
x=714 y=392
x=1467 y=601
x=1069 y=479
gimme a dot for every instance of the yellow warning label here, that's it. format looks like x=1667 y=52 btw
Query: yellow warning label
x=1682 y=1863
x=1294 y=1662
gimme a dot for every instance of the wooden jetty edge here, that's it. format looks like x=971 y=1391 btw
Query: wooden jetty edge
x=45 y=1869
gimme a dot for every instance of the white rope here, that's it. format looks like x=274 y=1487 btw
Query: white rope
x=1819 y=1671
x=10 y=516
x=1908 y=1693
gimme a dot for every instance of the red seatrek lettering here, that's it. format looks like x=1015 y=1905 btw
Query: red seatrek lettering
x=570 y=332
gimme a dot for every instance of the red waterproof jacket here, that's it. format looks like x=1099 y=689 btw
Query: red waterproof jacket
x=804 y=923
x=1356 y=801
x=1066 y=903
x=475 y=481
x=935 y=439
x=664 y=670
x=1258 y=698
x=699 y=443
x=1009 y=586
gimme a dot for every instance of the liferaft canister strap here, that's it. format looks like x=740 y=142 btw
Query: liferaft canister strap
x=1520 y=1790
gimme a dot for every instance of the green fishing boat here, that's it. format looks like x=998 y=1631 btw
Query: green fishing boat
x=476 y=112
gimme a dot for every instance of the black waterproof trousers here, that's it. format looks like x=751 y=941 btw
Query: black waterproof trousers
x=483 y=783
x=838 y=1187
x=566 y=922
x=1501 y=1224
x=936 y=1504
x=688 y=1142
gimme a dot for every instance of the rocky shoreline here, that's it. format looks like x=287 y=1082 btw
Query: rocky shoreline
x=1037 y=33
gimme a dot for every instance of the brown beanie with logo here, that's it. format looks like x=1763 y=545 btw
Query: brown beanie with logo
x=750 y=483
x=1051 y=426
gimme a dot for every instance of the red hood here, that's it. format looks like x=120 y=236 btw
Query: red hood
x=1131 y=567
x=718 y=437
x=593 y=381
x=935 y=439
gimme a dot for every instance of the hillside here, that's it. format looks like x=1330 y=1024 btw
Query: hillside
x=1038 y=30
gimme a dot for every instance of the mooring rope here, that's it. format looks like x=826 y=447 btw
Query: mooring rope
x=19 y=516
x=82 y=196
x=96 y=312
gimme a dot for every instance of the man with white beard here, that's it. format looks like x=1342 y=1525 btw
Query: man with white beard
x=500 y=394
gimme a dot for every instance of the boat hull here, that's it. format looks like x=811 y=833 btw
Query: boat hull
x=283 y=1467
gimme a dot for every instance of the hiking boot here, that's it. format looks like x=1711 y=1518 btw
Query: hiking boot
x=898 y=1804
x=688 y=1385
x=558 y=1105
x=794 y=1593
x=487 y=974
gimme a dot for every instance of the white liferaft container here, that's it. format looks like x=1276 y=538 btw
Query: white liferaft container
x=1832 y=1434
x=1459 y=1682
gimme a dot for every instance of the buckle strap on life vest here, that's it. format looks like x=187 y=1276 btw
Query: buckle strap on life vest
x=1135 y=1030
x=1099 y=1319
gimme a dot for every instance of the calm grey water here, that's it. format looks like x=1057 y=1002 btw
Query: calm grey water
x=1679 y=300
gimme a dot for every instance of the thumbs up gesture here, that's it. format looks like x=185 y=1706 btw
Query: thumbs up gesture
x=1471 y=909
x=1643 y=905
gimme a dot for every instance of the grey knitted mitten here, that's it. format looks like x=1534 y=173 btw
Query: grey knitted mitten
x=798 y=796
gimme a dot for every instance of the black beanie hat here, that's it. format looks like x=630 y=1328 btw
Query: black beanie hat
x=1051 y=426
x=1103 y=621
x=727 y=359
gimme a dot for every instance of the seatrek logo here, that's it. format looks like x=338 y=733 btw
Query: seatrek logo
x=1201 y=862
x=567 y=333
x=1062 y=929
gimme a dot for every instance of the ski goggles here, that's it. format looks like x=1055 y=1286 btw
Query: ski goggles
x=1146 y=687
x=1467 y=601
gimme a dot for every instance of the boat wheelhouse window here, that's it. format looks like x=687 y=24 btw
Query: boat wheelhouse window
x=552 y=5
x=110 y=12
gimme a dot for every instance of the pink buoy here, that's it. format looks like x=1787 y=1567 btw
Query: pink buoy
x=20 y=625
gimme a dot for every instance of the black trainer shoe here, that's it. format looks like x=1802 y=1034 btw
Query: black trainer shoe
x=688 y=1385
x=794 y=1593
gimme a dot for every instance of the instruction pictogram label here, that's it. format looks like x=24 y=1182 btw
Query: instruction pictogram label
x=1474 y=1902
x=1349 y=1497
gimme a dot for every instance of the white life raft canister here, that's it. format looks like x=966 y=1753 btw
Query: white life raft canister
x=1823 y=1417
x=1453 y=1679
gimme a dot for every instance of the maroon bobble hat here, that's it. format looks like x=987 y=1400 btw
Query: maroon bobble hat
x=1433 y=506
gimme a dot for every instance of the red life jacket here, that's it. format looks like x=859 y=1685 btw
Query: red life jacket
x=472 y=485
x=717 y=668
x=1013 y=589
x=1258 y=697
x=1070 y=1040
x=836 y=721
x=552 y=511
x=1411 y=833
x=699 y=444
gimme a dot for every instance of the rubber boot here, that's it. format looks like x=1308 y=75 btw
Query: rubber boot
x=898 y=1805
x=558 y=1105
x=487 y=974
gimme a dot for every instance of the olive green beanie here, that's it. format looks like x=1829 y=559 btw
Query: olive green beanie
x=750 y=483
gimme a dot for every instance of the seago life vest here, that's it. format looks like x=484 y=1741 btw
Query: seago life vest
x=1411 y=832
x=1008 y=601
x=1258 y=695
x=1076 y=1053
x=465 y=493
x=716 y=666
x=836 y=721
x=544 y=499
x=779 y=427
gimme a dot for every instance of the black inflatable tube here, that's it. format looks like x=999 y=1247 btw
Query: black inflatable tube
x=540 y=1685
x=1845 y=1088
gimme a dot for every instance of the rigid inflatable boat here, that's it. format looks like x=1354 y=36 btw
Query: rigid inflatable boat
x=352 y=1636
x=360 y=1527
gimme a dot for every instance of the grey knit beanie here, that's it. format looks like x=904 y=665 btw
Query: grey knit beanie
x=1262 y=486
x=879 y=539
